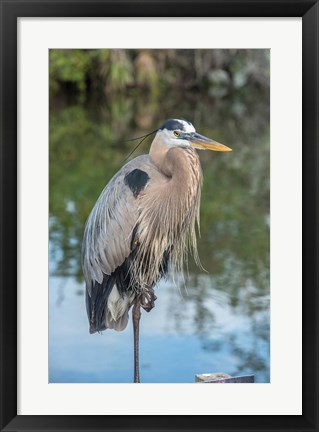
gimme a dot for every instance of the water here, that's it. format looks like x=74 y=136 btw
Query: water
x=220 y=322
x=176 y=342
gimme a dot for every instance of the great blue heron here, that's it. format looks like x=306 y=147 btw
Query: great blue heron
x=143 y=220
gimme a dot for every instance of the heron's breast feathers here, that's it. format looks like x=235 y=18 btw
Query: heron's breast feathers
x=168 y=211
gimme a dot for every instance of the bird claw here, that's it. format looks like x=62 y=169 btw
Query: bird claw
x=147 y=299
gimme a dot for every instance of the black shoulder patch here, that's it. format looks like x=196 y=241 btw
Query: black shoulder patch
x=136 y=180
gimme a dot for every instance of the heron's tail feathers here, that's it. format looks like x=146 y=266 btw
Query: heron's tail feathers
x=107 y=306
x=96 y=303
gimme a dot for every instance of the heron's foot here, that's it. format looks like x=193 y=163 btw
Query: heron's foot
x=147 y=299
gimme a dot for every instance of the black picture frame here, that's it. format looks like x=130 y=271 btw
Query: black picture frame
x=10 y=11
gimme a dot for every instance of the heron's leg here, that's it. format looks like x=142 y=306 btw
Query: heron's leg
x=148 y=298
x=136 y=315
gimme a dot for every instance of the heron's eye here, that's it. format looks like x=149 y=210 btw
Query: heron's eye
x=177 y=134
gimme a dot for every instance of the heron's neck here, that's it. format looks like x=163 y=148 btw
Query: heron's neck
x=179 y=164
x=158 y=153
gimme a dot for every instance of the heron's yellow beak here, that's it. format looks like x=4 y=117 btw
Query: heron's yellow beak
x=204 y=143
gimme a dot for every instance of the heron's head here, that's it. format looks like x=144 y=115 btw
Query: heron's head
x=176 y=132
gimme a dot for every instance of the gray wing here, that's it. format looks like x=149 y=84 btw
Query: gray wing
x=109 y=228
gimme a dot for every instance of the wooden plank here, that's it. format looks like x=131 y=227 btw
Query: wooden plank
x=240 y=379
x=222 y=378
x=211 y=377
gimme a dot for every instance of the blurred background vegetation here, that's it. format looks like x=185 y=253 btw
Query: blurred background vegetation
x=101 y=98
x=103 y=72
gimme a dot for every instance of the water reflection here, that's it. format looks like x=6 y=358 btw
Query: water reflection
x=222 y=322
x=182 y=336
